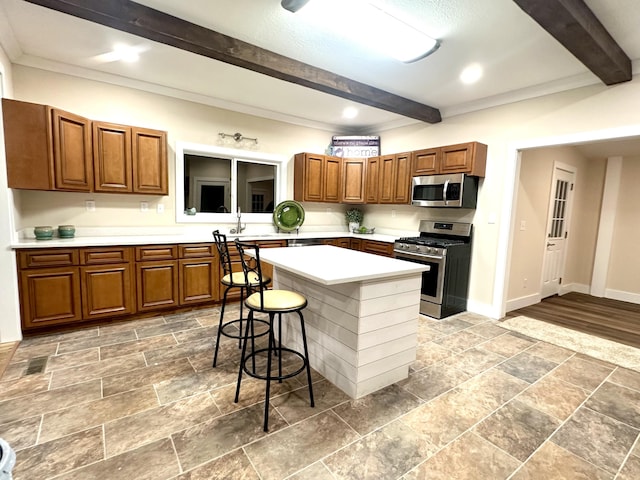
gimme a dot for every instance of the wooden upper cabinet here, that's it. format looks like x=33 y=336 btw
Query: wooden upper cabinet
x=372 y=181
x=112 y=164
x=149 y=156
x=425 y=162
x=46 y=148
x=72 y=151
x=317 y=178
x=332 y=179
x=470 y=158
x=353 y=180
x=402 y=178
x=50 y=149
x=394 y=180
x=386 y=180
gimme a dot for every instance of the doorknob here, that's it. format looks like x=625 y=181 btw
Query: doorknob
x=551 y=244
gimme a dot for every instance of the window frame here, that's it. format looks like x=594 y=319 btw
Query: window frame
x=235 y=155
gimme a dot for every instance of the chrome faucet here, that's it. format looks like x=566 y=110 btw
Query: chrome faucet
x=239 y=227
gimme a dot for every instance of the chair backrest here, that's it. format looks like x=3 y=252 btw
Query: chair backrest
x=223 y=251
x=252 y=268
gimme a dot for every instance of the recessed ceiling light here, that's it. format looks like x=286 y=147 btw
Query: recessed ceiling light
x=471 y=74
x=350 y=112
x=120 y=53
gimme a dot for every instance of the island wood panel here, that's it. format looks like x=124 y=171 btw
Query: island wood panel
x=362 y=336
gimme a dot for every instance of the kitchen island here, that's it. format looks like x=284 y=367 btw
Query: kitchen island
x=362 y=313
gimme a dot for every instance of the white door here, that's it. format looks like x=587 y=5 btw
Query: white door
x=558 y=223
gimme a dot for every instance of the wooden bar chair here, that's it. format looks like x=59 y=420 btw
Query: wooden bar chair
x=271 y=302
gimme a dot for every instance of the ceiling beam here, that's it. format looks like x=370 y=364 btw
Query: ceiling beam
x=131 y=17
x=576 y=27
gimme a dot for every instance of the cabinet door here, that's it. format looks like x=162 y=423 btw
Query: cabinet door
x=308 y=177
x=372 y=180
x=402 y=178
x=150 y=164
x=157 y=285
x=112 y=158
x=50 y=296
x=71 y=151
x=198 y=280
x=470 y=158
x=353 y=180
x=27 y=143
x=387 y=170
x=425 y=162
x=107 y=290
x=332 y=179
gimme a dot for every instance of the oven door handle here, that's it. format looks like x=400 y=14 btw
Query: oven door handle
x=421 y=256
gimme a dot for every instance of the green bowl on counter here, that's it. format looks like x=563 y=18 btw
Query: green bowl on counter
x=66 y=231
x=43 y=232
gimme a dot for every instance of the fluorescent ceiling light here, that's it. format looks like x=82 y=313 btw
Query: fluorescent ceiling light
x=369 y=24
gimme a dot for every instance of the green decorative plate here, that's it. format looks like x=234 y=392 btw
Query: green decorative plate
x=288 y=215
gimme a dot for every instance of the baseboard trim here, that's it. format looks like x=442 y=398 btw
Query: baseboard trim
x=574 y=287
x=522 y=302
x=622 y=296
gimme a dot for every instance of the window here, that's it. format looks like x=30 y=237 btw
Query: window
x=216 y=181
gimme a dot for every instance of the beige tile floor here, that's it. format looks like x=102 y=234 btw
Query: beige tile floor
x=139 y=400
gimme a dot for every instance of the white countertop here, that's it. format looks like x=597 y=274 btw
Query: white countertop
x=200 y=237
x=329 y=265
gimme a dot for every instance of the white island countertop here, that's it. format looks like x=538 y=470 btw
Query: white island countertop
x=329 y=265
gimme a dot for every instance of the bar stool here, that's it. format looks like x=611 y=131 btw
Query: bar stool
x=231 y=279
x=271 y=302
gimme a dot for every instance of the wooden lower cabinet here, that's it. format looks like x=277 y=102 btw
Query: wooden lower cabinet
x=339 y=242
x=157 y=285
x=50 y=296
x=107 y=291
x=198 y=280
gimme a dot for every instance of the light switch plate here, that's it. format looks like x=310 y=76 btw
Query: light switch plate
x=90 y=205
x=144 y=206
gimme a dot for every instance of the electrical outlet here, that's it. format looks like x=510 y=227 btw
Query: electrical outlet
x=523 y=225
x=160 y=208
x=328 y=211
x=90 y=205
x=144 y=206
x=393 y=214
x=524 y=283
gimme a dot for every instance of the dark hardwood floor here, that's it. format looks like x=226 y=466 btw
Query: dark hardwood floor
x=606 y=318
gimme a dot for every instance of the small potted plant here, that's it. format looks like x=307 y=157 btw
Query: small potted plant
x=354 y=218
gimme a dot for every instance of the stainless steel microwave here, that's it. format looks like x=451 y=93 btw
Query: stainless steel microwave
x=456 y=190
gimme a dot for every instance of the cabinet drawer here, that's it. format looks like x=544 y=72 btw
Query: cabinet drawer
x=59 y=257
x=101 y=256
x=156 y=252
x=378 y=248
x=196 y=250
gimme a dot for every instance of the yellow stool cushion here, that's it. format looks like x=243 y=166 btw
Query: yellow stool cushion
x=276 y=300
x=237 y=279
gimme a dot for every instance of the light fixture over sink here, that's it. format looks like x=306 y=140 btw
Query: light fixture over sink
x=364 y=22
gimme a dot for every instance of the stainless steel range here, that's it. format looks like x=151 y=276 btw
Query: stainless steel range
x=446 y=248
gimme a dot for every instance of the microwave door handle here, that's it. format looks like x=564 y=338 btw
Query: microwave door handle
x=446 y=186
